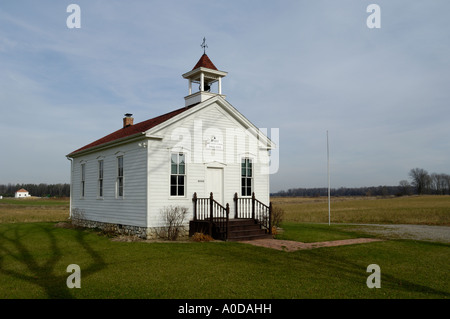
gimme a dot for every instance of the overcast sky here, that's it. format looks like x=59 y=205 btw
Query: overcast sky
x=304 y=67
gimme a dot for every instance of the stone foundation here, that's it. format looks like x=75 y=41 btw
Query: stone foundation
x=128 y=230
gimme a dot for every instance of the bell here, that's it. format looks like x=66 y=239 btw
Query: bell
x=206 y=87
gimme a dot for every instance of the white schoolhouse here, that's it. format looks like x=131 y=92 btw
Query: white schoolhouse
x=204 y=156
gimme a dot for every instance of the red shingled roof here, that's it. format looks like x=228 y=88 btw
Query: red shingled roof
x=22 y=190
x=205 y=62
x=133 y=129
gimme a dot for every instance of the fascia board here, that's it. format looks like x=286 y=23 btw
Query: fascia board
x=123 y=140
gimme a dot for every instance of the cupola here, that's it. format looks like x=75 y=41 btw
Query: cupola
x=205 y=74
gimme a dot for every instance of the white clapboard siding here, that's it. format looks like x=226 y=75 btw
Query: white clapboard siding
x=129 y=210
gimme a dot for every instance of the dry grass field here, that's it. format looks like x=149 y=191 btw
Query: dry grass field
x=421 y=210
x=27 y=210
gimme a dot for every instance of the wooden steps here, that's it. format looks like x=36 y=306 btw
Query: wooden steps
x=239 y=229
x=253 y=218
x=245 y=229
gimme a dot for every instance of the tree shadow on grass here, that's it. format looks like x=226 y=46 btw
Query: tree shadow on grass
x=45 y=272
x=351 y=271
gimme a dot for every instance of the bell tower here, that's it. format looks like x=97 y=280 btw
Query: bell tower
x=205 y=74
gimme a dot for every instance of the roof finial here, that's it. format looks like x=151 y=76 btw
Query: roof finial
x=204 y=45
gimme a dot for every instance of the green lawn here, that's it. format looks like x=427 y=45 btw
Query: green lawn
x=309 y=233
x=34 y=258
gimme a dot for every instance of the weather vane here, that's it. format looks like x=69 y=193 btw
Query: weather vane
x=204 y=45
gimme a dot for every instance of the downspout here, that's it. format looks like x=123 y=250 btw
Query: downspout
x=70 y=196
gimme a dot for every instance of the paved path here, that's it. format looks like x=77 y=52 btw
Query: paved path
x=289 y=245
x=415 y=232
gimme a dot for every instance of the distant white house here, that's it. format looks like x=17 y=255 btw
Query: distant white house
x=21 y=193
x=179 y=158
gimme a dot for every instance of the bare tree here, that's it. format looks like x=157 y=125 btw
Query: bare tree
x=446 y=183
x=404 y=187
x=435 y=183
x=420 y=180
x=440 y=183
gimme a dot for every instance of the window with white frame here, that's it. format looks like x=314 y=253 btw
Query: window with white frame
x=83 y=179
x=246 y=176
x=177 y=174
x=100 y=178
x=119 y=181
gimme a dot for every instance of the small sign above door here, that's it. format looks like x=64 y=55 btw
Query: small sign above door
x=214 y=144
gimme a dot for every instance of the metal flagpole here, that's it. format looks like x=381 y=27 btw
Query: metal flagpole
x=328 y=160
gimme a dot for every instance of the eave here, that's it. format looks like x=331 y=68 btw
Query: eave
x=117 y=142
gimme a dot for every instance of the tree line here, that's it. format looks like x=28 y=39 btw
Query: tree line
x=421 y=182
x=39 y=190
x=425 y=183
x=343 y=191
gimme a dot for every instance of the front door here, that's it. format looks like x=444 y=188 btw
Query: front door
x=214 y=183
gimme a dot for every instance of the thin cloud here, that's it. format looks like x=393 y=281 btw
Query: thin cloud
x=302 y=66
